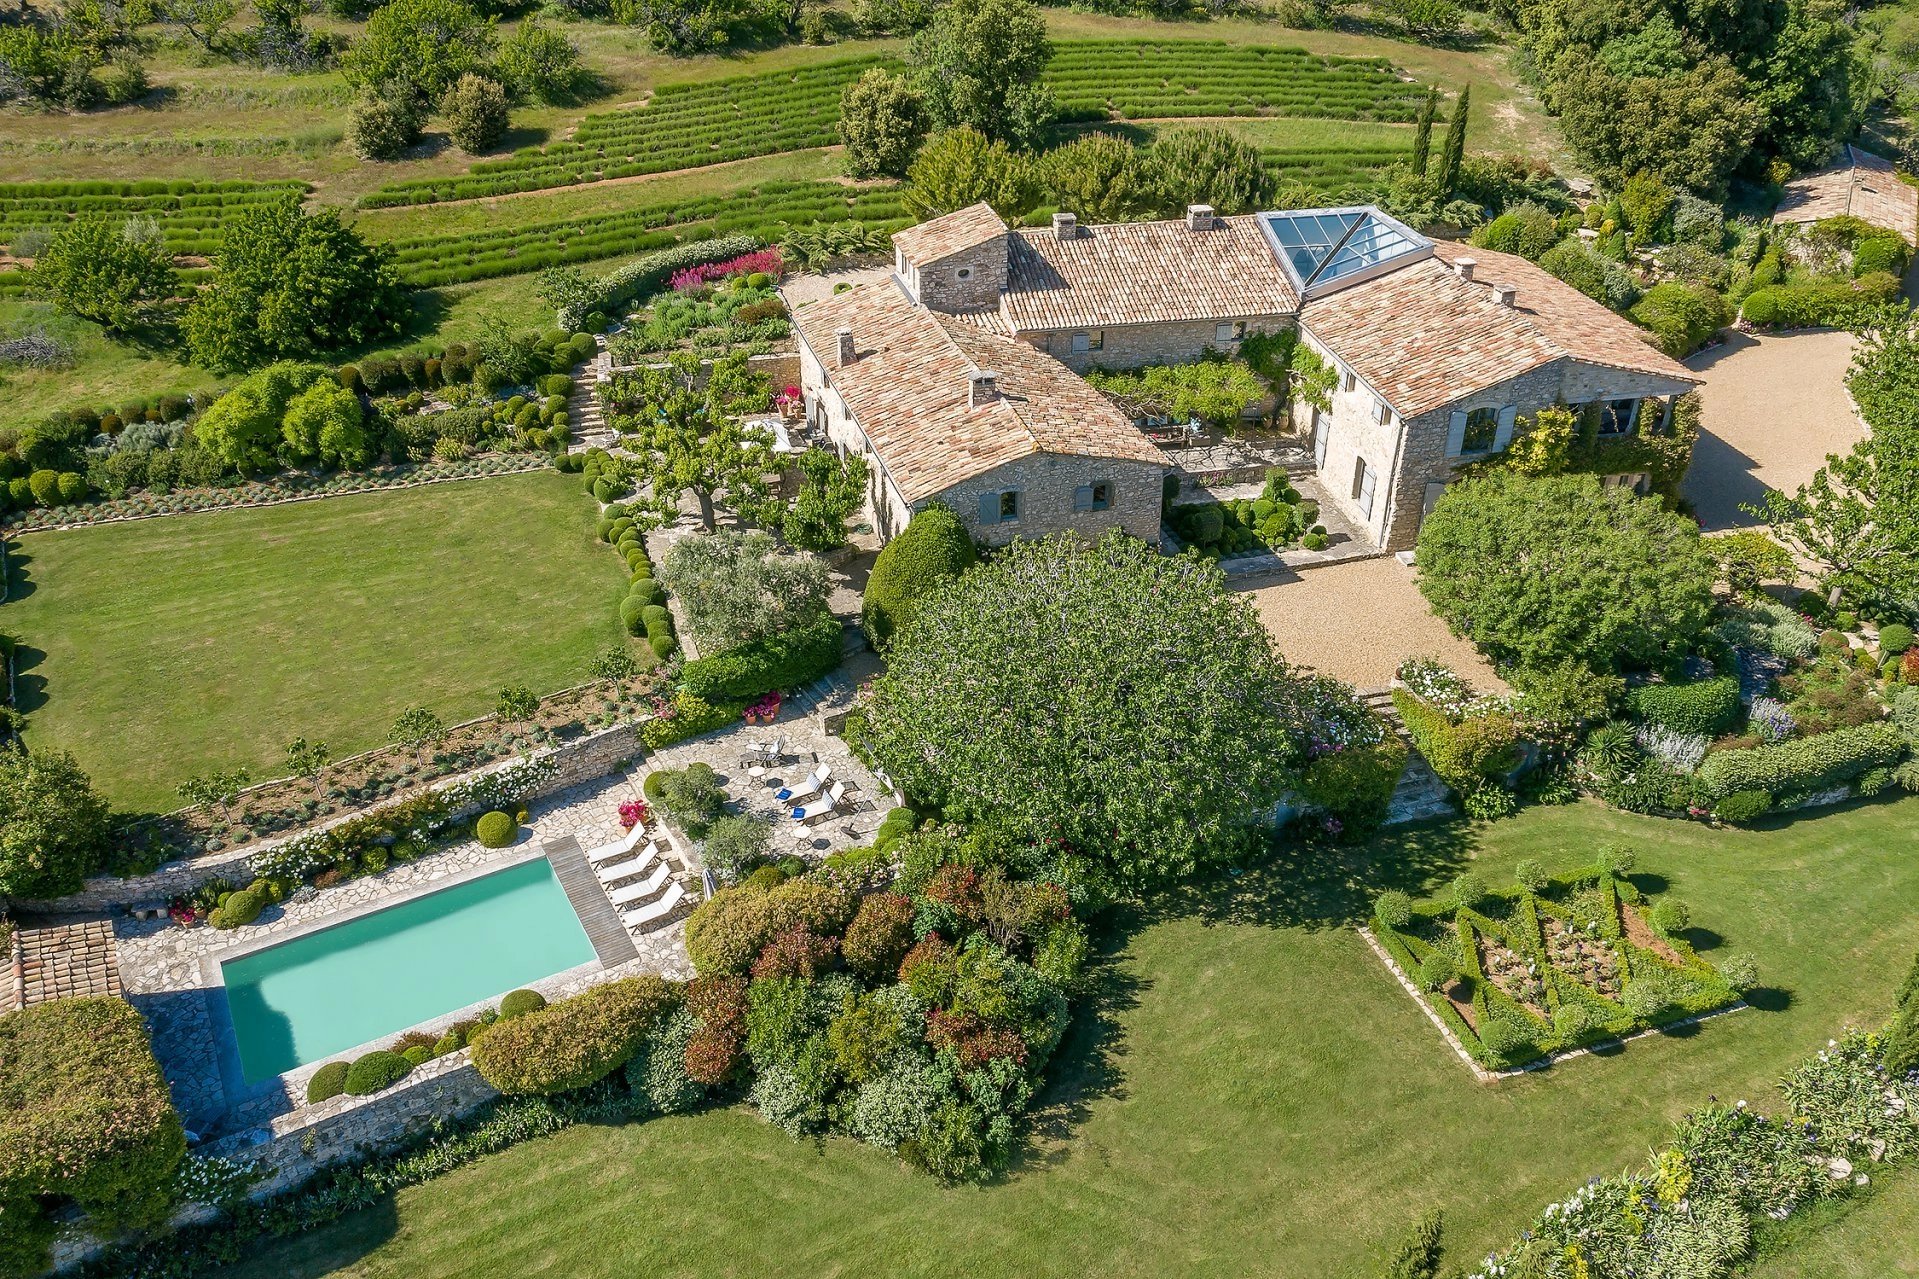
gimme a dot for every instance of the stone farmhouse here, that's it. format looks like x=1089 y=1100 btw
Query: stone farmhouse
x=957 y=377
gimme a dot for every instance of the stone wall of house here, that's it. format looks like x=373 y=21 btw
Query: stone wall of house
x=1128 y=346
x=885 y=509
x=970 y=280
x=1046 y=482
x=581 y=760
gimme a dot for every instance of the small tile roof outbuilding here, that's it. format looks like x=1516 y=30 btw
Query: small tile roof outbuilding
x=909 y=387
x=1861 y=184
x=949 y=233
x=1144 y=273
x=1422 y=337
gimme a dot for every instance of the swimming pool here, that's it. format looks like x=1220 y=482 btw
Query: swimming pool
x=349 y=984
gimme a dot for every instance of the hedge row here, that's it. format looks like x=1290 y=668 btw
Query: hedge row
x=690 y=717
x=1703 y=708
x=783 y=662
x=1817 y=304
x=576 y=1042
x=1804 y=764
x=1466 y=755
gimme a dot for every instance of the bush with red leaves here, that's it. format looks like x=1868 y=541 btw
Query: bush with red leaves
x=797 y=952
x=973 y=1042
x=714 y=1051
x=957 y=887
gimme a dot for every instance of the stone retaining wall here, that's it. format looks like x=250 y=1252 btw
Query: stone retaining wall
x=581 y=760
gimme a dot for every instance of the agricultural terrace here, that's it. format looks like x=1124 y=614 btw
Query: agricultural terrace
x=167 y=647
x=715 y=121
x=1247 y=1093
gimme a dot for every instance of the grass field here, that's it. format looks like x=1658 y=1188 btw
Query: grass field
x=166 y=647
x=1250 y=1094
x=1873 y=1239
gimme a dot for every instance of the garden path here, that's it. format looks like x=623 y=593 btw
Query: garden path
x=1774 y=406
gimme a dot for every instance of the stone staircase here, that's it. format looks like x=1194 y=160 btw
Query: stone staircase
x=826 y=699
x=1420 y=794
x=583 y=406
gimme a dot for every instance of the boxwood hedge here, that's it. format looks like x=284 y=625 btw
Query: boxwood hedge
x=1703 y=708
x=1802 y=764
x=789 y=660
x=576 y=1042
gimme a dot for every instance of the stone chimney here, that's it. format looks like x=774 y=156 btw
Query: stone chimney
x=1065 y=225
x=985 y=384
x=1199 y=217
x=1465 y=268
x=844 y=338
x=1504 y=294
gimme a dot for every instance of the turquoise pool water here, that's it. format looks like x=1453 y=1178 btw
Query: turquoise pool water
x=317 y=995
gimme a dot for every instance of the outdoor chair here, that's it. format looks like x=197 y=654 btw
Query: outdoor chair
x=614 y=872
x=619 y=847
x=820 y=809
x=641 y=891
x=646 y=914
x=812 y=786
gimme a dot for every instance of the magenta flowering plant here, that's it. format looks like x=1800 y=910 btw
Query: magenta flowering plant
x=768 y=261
x=633 y=812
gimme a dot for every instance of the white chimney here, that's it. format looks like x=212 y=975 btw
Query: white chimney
x=1199 y=217
x=1504 y=294
x=1465 y=268
x=1065 y=225
x=845 y=338
x=985 y=384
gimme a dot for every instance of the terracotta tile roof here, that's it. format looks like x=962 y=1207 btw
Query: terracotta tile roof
x=909 y=388
x=1144 y=272
x=949 y=234
x=1422 y=337
x=1861 y=184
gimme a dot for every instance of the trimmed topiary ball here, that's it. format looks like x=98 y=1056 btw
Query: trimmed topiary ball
x=518 y=1003
x=1393 y=909
x=1670 y=916
x=496 y=830
x=418 y=1055
x=376 y=1072
x=328 y=1081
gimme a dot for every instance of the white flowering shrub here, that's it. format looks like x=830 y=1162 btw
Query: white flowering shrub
x=1682 y=751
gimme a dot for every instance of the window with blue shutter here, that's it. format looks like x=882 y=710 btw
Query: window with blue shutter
x=1456 y=433
x=1504 y=435
x=988 y=508
x=1097 y=496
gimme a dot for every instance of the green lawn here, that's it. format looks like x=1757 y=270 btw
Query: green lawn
x=184 y=643
x=1874 y=1238
x=1250 y=1095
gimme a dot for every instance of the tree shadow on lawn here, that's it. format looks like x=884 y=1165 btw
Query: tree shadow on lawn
x=1086 y=1066
x=1293 y=885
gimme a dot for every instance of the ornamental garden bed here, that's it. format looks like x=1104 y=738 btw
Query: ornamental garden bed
x=1550 y=965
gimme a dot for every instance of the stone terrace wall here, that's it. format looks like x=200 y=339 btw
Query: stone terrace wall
x=580 y=760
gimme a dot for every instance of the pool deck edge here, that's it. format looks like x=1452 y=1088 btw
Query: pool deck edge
x=604 y=928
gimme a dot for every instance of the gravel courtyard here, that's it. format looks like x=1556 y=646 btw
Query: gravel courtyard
x=1775 y=406
x=1358 y=621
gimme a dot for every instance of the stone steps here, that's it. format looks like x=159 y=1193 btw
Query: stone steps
x=1420 y=794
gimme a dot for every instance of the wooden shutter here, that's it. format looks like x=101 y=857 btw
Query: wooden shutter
x=1504 y=435
x=988 y=509
x=1456 y=433
x=1083 y=498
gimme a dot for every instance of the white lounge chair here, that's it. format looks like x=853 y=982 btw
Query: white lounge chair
x=614 y=872
x=760 y=753
x=823 y=807
x=654 y=910
x=812 y=786
x=641 y=891
x=619 y=847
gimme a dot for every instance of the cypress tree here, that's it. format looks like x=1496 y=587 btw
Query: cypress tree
x=1423 y=134
x=1455 y=143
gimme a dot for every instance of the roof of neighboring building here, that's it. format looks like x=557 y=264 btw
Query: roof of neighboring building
x=1422 y=337
x=949 y=233
x=909 y=388
x=1144 y=272
x=1861 y=184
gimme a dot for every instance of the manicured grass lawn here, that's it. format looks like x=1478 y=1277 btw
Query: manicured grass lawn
x=1873 y=1239
x=185 y=643
x=1250 y=1094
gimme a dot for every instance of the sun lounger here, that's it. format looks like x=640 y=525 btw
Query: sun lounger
x=642 y=890
x=812 y=786
x=821 y=808
x=614 y=872
x=654 y=910
x=619 y=847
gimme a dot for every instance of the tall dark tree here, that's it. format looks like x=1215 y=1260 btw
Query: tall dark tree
x=1423 y=131
x=1455 y=153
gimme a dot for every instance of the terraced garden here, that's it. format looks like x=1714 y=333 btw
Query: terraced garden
x=710 y=122
x=190 y=215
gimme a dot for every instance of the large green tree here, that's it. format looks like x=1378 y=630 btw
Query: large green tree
x=882 y=123
x=1098 y=176
x=1539 y=570
x=108 y=270
x=421 y=47
x=738 y=587
x=963 y=166
x=1207 y=165
x=54 y=829
x=978 y=64
x=1104 y=700
x=289 y=283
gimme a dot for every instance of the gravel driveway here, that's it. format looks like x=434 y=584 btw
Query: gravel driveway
x=1775 y=406
x=1359 y=620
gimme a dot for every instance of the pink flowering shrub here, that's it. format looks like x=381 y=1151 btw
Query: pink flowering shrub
x=695 y=277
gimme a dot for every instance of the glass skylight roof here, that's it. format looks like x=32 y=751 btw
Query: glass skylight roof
x=1323 y=246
